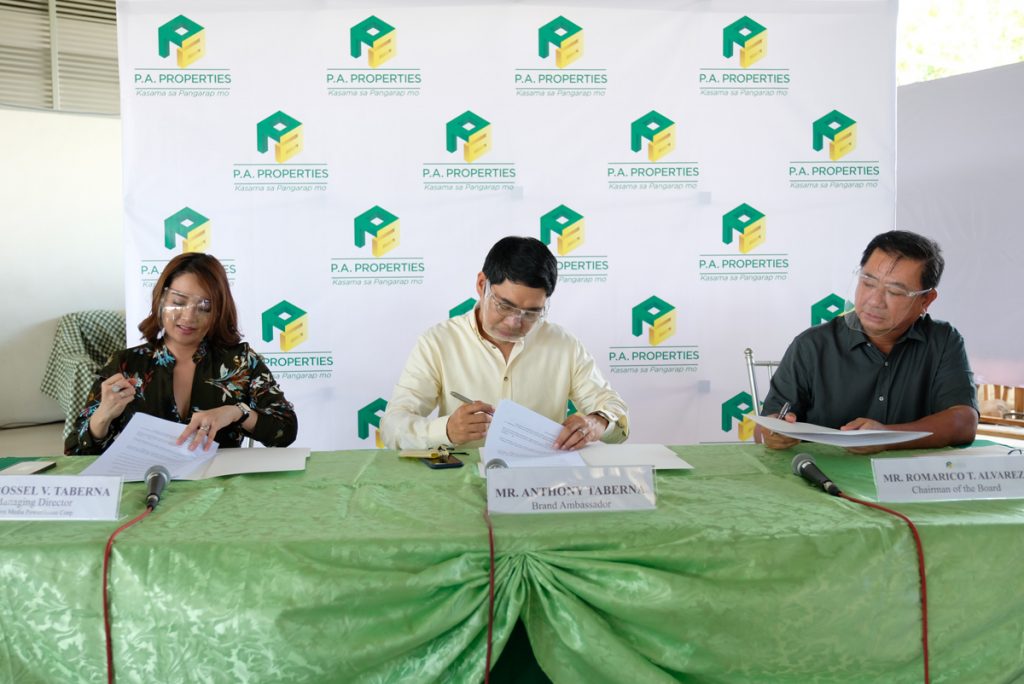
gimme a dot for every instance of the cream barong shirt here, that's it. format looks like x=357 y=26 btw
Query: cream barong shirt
x=544 y=371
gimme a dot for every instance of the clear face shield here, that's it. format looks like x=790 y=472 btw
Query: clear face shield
x=175 y=306
x=505 y=322
x=881 y=306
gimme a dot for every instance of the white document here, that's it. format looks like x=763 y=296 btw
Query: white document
x=241 y=461
x=147 y=441
x=657 y=455
x=523 y=439
x=843 y=438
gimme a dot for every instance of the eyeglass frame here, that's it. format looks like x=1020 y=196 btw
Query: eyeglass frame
x=194 y=302
x=901 y=293
x=506 y=310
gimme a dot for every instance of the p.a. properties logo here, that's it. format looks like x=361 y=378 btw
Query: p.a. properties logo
x=290 y=320
x=659 y=315
x=567 y=224
x=380 y=37
x=462 y=307
x=738 y=409
x=748 y=222
x=839 y=129
x=382 y=225
x=369 y=417
x=190 y=225
x=658 y=130
x=567 y=38
x=473 y=130
x=188 y=37
x=827 y=308
x=285 y=131
x=749 y=36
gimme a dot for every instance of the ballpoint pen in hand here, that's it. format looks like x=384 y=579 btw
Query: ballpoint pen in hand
x=783 y=411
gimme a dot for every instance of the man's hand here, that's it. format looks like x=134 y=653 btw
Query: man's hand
x=579 y=431
x=772 y=440
x=864 y=424
x=469 y=422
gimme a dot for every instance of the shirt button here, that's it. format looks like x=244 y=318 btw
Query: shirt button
x=881 y=398
x=506 y=378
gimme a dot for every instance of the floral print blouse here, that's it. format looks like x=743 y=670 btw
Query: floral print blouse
x=223 y=377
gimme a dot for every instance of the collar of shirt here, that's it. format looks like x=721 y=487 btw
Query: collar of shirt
x=855 y=338
x=163 y=356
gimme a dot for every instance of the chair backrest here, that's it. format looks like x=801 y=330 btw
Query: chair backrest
x=752 y=367
x=1001 y=401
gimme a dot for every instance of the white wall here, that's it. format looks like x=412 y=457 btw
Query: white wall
x=60 y=190
x=960 y=180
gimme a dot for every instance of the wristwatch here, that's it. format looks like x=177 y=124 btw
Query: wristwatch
x=245 y=412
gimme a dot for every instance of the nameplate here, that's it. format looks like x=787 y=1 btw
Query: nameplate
x=47 y=497
x=570 y=490
x=948 y=478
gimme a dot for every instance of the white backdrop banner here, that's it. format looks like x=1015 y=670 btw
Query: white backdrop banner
x=706 y=179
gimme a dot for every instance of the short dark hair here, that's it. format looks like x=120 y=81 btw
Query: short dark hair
x=224 y=330
x=903 y=243
x=522 y=260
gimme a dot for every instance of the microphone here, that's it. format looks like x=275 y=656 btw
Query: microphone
x=157 y=478
x=804 y=466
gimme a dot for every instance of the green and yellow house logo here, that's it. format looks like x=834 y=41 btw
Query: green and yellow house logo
x=739 y=409
x=659 y=315
x=382 y=225
x=380 y=37
x=369 y=417
x=567 y=38
x=473 y=130
x=658 y=130
x=292 y=321
x=841 y=132
x=190 y=225
x=749 y=36
x=188 y=37
x=567 y=224
x=824 y=310
x=462 y=307
x=748 y=222
x=286 y=133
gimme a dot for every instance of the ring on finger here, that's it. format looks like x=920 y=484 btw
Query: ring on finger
x=204 y=427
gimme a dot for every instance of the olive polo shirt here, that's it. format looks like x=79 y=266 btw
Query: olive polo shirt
x=831 y=375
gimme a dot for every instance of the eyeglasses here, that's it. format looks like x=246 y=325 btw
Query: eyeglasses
x=506 y=310
x=176 y=303
x=892 y=291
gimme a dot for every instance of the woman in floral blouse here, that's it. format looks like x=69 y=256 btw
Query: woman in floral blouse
x=193 y=369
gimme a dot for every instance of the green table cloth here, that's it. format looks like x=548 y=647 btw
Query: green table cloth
x=367 y=568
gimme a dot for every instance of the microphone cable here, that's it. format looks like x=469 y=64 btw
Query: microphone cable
x=490 y=599
x=106 y=602
x=920 y=572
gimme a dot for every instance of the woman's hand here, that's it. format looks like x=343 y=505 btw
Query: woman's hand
x=205 y=425
x=116 y=392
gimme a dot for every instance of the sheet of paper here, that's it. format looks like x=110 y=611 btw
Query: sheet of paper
x=844 y=438
x=523 y=439
x=147 y=441
x=241 y=461
x=657 y=455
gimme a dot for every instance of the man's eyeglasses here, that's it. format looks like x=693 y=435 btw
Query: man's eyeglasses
x=506 y=310
x=892 y=291
x=176 y=303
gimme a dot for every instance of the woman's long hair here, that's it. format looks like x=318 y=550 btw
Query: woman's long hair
x=223 y=330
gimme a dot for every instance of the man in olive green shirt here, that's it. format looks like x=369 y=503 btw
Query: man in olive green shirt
x=886 y=365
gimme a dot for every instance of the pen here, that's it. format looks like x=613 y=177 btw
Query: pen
x=466 y=400
x=783 y=411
